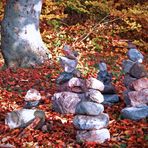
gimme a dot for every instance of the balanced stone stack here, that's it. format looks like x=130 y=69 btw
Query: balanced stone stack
x=109 y=92
x=90 y=121
x=69 y=84
x=83 y=98
x=136 y=82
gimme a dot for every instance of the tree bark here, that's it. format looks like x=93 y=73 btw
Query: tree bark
x=21 y=41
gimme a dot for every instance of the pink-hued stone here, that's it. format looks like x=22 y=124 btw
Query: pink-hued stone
x=138 y=97
x=140 y=84
x=65 y=102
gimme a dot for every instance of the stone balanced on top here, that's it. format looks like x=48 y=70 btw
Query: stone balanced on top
x=28 y=114
x=82 y=98
x=109 y=92
x=136 y=82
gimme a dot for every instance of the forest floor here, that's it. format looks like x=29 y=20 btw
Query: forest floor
x=14 y=84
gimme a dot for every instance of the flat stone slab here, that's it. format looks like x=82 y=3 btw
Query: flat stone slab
x=135 y=113
x=94 y=96
x=93 y=83
x=84 y=122
x=111 y=98
x=65 y=102
x=138 y=97
x=99 y=136
x=89 y=108
x=139 y=84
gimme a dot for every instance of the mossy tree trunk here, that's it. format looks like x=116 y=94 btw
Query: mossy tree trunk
x=21 y=41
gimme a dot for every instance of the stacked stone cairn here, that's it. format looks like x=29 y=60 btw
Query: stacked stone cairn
x=82 y=98
x=109 y=92
x=136 y=82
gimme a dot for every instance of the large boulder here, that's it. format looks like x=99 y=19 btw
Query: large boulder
x=140 y=84
x=138 y=97
x=84 y=122
x=99 y=136
x=93 y=83
x=89 y=108
x=94 y=95
x=66 y=102
x=135 y=113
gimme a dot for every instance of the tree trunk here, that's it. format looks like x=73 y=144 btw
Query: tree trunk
x=21 y=41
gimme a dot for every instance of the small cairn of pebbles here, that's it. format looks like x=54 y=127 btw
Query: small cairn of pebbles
x=82 y=98
x=136 y=82
x=109 y=92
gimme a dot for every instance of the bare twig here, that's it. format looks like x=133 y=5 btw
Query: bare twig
x=91 y=31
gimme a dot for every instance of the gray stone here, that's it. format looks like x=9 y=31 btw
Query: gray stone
x=65 y=102
x=135 y=113
x=84 y=122
x=126 y=98
x=64 y=77
x=69 y=53
x=69 y=65
x=94 y=95
x=126 y=65
x=89 y=108
x=135 y=55
x=128 y=80
x=138 y=71
x=98 y=136
x=109 y=89
x=19 y=118
x=138 y=97
x=140 y=84
x=102 y=66
x=111 y=98
x=104 y=77
x=93 y=83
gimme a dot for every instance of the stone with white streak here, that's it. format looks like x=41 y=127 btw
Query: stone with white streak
x=84 y=122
